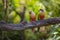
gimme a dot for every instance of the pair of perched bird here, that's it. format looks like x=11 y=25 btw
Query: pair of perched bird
x=41 y=16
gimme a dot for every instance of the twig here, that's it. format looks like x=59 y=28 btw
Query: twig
x=5 y=9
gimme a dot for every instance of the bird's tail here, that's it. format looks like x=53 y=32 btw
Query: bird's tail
x=33 y=30
x=38 y=29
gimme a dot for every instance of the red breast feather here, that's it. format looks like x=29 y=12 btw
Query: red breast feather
x=32 y=17
x=41 y=17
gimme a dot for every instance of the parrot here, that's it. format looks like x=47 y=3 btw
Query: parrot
x=41 y=16
x=32 y=18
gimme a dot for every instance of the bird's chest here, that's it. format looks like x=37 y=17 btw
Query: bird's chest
x=41 y=16
x=32 y=17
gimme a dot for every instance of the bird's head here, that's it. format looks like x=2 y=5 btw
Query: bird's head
x=41 y=11
x=31 y=12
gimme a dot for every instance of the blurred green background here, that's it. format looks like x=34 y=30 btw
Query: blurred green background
x=51 y=9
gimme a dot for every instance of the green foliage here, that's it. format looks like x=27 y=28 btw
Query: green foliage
x=1 y=10
x=52 y=5
x=51 y=9
x=27 y=18
x=15 y=18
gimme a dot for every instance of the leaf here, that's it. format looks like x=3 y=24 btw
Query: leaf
x=16 y=3
x=16 y=20
x=27 y=18
x=12 y=14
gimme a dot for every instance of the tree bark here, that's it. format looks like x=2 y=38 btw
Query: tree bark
x=26 y=25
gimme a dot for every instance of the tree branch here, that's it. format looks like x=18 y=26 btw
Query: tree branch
x=25 y=25
x=21 y=14
x=5 y=9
